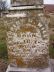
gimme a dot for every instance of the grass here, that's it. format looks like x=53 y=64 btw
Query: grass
x=52 y=37
x=51 y=51
x=3 y=50
x=3 y=47
x=51 y=46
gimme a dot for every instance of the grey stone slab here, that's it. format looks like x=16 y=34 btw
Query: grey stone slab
x=15 y=69
x=26 y=2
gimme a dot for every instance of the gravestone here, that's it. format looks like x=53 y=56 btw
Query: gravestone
x=26 y=2
x=27 y=37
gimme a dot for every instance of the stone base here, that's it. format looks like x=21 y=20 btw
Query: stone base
x=15 y=69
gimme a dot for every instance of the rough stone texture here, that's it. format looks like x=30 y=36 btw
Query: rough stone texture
x=26 y=2
x=27 y=40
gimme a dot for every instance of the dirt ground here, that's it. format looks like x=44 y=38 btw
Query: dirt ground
x=3 y=65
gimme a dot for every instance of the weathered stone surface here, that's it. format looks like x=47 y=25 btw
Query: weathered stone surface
x=27 y=39
x=26 y=2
